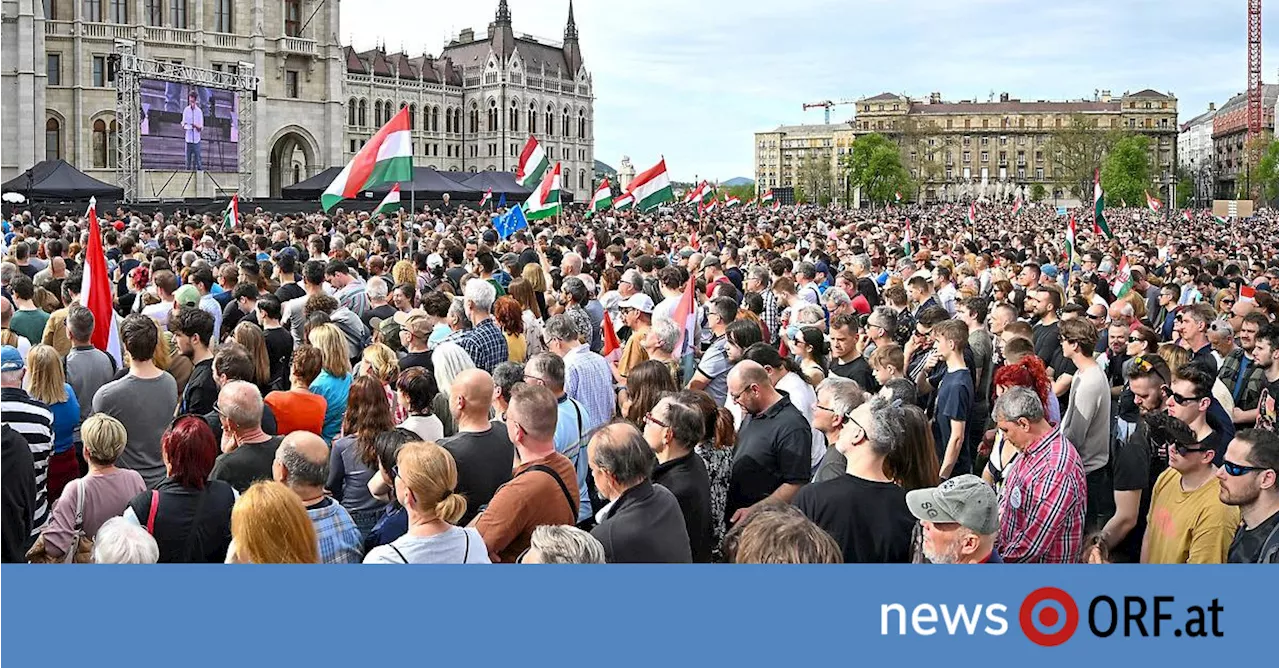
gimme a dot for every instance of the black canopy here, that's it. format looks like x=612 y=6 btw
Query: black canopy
x=311 y=188
x=501 y=182
x=427 y=184
x=58 y=180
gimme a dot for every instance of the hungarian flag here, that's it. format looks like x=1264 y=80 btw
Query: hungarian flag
x=1017 y=206
x=390 y=203
x=386 y=158
x=973 y=213
x=777 y=205
x=709 y=206
x=611 y=343
x=897 y=196
x=1152 y=203
x=231 y=216
x=1071 y=240
x=1099 y=218
x=603 y=197
x=624 y=202
x=1221 y=220
x=693 y=241
x=698 y=194
x=906 y=237
x=1247 y=293
x=1186 y=215
x=652 y=187
x=95 y=291
x=544 y=202
x=767 y=197
x=730 y=201
x=686 y=317
x=486 y=197
x=1124 y=279
x=752 y=202
x=533 y=163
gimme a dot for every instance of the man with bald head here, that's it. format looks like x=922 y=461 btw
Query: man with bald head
x=772 y=459
x=302 y=464
x=480 y=448
x=247 y=450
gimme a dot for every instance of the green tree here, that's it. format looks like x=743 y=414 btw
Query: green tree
x=875 y=165
x=1126 y=172
x=1038 y=192
x=815 y=180
x=1076 y=150
x=1186 y=189
x=743 y=192
x=1269 y=172
x=1257 y=179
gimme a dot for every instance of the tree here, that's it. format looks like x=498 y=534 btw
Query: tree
x=923 y=146
x=1126 y=172
x=814 y=181
x=1076 y=150
x=743 y=192
x=1268 y=174
x=875 y=165
x=1037 y=192
x=1186 y=189
x=1257 y=180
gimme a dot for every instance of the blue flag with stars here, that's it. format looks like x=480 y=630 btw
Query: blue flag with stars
x=502 y=200
x=511 y=221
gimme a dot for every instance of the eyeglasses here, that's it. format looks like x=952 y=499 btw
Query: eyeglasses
x=1183 y=450
x=1135 y=339
x=536 y=379
x=1236 y=470
x=824 y=408
x=648 y=417
x=1096 y=317
x=741 y=392
x=1182 y=400
x=395 y=472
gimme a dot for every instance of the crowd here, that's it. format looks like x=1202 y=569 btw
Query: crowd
x=887 y=385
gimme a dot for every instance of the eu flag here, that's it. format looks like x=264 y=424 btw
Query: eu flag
x=502 y=200
x=511 y=221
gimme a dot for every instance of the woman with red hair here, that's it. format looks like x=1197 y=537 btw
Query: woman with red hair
x=188 y=514
x=1028 y=372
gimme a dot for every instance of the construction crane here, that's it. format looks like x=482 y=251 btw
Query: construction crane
x=826 y=107
x=1255 y=68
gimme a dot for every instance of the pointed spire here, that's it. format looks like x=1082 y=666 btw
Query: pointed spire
x=504 y=13
x=571 y=28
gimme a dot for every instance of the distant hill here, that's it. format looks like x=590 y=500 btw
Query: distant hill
x=738 y=181
x=604 y=170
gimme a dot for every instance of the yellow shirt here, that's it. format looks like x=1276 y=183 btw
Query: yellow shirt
x=632 y=353
x=517 y=348
x=1188 y=527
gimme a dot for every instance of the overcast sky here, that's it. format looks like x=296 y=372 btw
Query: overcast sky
x=694 y=80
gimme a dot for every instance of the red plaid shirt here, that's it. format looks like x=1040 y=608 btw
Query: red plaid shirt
x=1042 y=504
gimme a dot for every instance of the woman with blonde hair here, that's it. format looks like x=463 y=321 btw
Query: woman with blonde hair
x=251 y=337
x=537 y=278
x=403 y=273
x=379 y=362
x=425 y=479
x=167 y=358
x=101 y=494
x=531 y=314
x=49 y=386
x=449 y=360
x=269 y=525
x=334 y=381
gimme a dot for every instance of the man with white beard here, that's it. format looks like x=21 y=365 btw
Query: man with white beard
x=960 y=521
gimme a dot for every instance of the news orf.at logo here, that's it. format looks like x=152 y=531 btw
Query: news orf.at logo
x=1048 y=616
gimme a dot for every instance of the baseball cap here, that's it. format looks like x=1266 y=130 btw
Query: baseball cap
x=510 y=259
x=1049 y=270
x=187 y=295
x=434 y=260
x=389 y=328
x=11 y=359
x=418 y=325
x=822 y=268
x=710 y=261
x=639 y=301
x=965 y=500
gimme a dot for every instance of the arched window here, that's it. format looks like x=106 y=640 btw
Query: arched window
x=364 y=112
x=582 y=179
x=52 y=139
x=551 y=121
x=448 y=120
x=564 y=124
x=533 y=118
x=513 y=117
x=106 y=141
x=493 y=116
x=475 y=118
x=351 y=111
x=457 y=120
x=582 y=123
x=435 y=119
x=297 y=172
x=377 y=112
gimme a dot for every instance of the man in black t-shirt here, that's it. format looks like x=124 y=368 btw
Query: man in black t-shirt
x=192 y=332
x=846 y=359
x=248 y=452
x=481 y=449
x=864 y=510
x=377 y=290
x=279 y=340
x=1247 y=479
x=772 y=458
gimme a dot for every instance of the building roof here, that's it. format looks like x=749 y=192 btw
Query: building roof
x=1150 y=93
x=1014 y=107
x=1238 y=100
x=882 y=96
x=1202 y=118
x=815 y=129
x=534 y=54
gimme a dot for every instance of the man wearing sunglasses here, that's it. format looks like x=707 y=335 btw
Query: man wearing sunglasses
x=1247 y=480
x=1187 y=522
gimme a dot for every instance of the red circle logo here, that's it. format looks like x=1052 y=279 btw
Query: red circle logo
x=1048 y=616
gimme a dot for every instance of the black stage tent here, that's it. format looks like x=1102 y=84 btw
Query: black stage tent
x=57 y=180
x=427 y=185
x=501 y=182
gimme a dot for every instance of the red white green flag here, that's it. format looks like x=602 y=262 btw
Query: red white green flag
x=973 y=213
x=1153 y=203
x=231 y=217
x=1124 y=279
x=544 y=202
x=533 y=163
x=1071 y=240
x=767 y=197
x=730 y=201
x=624 y=202
x=1099 y=202
x=652 y=187
x=387 y=158
x=1186 y=215
x=602 y=199
x=391 y=203
x=1017 y=206
x=486 y=198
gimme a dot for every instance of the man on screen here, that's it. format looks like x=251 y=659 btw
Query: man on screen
x=193 y=124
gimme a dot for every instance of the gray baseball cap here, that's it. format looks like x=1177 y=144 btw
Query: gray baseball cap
x=965 y=500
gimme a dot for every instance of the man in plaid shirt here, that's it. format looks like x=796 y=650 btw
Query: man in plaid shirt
x=1043 y=501
x=485 y=343
x=302 y=463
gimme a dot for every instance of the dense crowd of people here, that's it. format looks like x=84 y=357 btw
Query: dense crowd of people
x=809 y=385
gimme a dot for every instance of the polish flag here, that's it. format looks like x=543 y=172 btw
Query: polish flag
x=95 y=291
